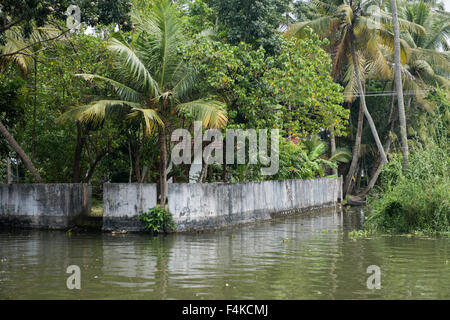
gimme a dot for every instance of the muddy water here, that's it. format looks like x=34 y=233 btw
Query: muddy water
x=302 y=257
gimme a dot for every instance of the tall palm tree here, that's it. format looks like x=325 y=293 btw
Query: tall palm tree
x=427 y=65
x=399 y=85
x=358 y=41
x=152 y=81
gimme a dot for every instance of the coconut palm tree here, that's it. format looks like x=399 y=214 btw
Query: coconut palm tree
x=358 y=38
x=425 y=67
x=152 y=82
x=427 y=63
x=399 y=85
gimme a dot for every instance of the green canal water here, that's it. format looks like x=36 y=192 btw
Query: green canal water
x=302 y=257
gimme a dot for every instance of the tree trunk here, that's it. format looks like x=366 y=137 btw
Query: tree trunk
x=399 y=86
x=358 y=178
x=366 y=111
x=131 y=163
x=8 y=171
x=33 y=142
x=144 y=174
x=78 y=151
x=203 y=173
x=333 y=148
x=224 y=165
x=356 y=151
x=162 y=167
x=13 y=143
x=137 y=166
x=387 y=147
x=93 y=165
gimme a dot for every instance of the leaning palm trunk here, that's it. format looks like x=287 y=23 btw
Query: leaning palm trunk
x=366 y=111
x=377 y=168
x=399 y=85
x=356 y=151
x=371 y=125
x=13 y=143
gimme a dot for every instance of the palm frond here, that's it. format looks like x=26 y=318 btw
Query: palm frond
x=378 y=64
x=386 y=38
x=316 y=151
x=427 y=73
x=186 y=80
x=162 y=30
x=345 y=13
x=439 y=60
x=17 y=49
x=211 y=113
x=320 y=26
x=135 y=66
x=151 y=118
x=343 y=155
x=386 y=19
x=437 y=34
x=351 y=90
x=417 y=86
x=340 y=56
x=96 y=111
x=22 y=59
x=125 y=92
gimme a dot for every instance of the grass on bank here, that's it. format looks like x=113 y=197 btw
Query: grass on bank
x=417 y=201
x=97 y=208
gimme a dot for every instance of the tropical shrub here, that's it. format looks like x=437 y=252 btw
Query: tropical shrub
x=157 y=220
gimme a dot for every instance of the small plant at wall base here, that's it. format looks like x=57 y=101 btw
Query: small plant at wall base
x=157 y=220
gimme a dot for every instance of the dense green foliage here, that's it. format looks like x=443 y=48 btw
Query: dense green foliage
x=255 y=22
x=419 y=199
x=157 y=220
x=11 y=106
x=292 y=91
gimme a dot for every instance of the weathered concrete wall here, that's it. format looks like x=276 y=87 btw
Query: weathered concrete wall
x=124 y=202
x=213 y=205
x=48 y=206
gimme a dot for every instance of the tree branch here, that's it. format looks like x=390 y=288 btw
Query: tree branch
x=33 y=44
x=11 y=24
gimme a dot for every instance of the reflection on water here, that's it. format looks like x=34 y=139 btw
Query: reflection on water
x=302 y=257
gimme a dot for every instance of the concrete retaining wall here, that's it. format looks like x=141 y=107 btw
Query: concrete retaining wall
x=48 y=206
x=124 y=202
x=213 y=205
x=193 y=206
